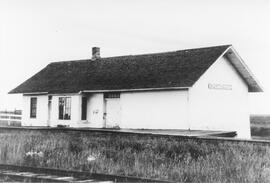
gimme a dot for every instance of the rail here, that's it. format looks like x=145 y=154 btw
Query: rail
x=63 y=175
x=10 y=118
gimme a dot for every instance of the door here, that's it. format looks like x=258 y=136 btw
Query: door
x=113 y=109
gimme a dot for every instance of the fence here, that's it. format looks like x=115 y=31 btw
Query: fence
x=11 y=118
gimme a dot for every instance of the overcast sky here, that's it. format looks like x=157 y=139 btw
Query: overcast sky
x=34 y=33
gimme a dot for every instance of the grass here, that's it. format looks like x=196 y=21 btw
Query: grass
x=168 y=158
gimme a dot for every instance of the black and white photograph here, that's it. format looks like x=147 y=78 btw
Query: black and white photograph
x=115 y=91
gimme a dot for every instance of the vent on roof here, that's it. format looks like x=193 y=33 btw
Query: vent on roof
x=95 y=53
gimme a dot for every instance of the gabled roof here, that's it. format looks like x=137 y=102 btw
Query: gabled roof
x=178 y=69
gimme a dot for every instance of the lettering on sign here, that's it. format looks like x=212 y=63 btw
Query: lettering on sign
x=219 y=86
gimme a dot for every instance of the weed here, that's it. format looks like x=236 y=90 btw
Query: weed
x=176 y=159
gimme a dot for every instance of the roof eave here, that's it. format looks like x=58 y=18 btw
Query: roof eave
x=135 y=89
x=36 y=93
x=104 y=91
x=221 y=55
x=244 y=71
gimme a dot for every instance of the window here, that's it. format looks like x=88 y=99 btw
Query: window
x=112 y=95
x=84 y=108
x=33 y=107
x=64 y=108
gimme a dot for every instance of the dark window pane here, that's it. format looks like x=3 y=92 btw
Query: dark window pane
x=33 y=107
x=84 y=108
x=64 y=108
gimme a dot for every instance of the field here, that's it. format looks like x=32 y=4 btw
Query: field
x=260 y=126
x=167 y=158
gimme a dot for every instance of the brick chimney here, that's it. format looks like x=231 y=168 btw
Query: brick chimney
x=95 y=53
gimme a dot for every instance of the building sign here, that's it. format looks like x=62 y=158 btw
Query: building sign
x=219 y=86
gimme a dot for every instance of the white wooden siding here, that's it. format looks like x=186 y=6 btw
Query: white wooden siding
x=42 y=111
x=220 y=109
x=156 y=110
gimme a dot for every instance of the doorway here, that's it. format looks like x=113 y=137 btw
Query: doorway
x=112 y=113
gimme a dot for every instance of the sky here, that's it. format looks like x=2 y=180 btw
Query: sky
x=34 y=33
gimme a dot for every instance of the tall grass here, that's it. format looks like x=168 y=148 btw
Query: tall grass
x=169 y=158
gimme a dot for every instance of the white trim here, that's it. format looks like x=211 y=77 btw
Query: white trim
x=36 y=93
x=52 y=94
x=63 y=94
x=139 y=89
x=188 y=109
x=101 y=91
x=223 y=53
x=259 y=87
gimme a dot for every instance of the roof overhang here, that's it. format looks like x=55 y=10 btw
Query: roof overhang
x=135 y=89
x=36 y=93
x=243 y=70
x=104 y=91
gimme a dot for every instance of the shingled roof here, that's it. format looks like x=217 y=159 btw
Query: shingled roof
x=161 y=70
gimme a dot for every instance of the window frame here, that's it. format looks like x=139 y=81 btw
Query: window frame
x=33 y=107
x=64 y=108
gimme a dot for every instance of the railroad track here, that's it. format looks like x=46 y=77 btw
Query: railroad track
x=15 y=173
